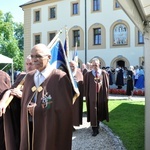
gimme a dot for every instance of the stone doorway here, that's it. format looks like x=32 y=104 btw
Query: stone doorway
x=120 y=63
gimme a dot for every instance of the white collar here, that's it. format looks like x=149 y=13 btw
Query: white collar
x=46 y=72
x=99 y=71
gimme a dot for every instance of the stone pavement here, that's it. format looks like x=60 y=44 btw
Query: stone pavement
x=125 y=97
x=82 y=138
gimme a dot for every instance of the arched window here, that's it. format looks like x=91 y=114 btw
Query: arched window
x=120 y=35
x=97 y=37
x=77 y=37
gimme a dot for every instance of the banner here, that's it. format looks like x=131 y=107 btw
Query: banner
x=75 y=55
x=59 y=60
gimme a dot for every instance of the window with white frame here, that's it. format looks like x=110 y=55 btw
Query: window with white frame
x=120 y=35
x=97 y=36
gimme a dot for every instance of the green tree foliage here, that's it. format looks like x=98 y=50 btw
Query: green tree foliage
x=8 y=41
x=19 y=35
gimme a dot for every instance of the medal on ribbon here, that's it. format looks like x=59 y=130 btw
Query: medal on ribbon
x=46 y=101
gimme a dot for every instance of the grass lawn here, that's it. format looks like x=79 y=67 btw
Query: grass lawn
x=127 y=122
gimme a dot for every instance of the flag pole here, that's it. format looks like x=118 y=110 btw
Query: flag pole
x=76 y=57
x=67 y=44
x=77 y=93
x=76 y=46
x=75 y=53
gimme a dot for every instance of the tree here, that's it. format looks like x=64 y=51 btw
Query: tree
x=8 y=43
x=19 y=35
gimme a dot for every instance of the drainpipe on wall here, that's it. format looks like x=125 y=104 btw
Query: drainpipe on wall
x=85 y=34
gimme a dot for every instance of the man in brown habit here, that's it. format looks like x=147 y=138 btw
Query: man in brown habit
x=96 y=84
x=12 y=113
x=78 y=105
x=46 y=114
x=4 y=84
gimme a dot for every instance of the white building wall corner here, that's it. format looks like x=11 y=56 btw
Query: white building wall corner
x=107 y=16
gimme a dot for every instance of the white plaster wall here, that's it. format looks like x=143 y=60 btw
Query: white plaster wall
x=107 y=17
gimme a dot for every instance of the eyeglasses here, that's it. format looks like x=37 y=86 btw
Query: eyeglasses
x=38 y=56
x=71 y=66
x=28 y=63
x=94 y=65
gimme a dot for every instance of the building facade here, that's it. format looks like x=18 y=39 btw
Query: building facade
x=99 y=29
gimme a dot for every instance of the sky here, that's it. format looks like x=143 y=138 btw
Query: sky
x=13 y=7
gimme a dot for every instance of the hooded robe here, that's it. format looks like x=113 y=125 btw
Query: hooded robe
x=12 y=119
x=52 y=125
x=78 y=105
x=97 y=103
x=4 y=85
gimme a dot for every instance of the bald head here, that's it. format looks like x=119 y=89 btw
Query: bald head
x=73 y=63
x=28 y=58
x=29 y=65
x=40 y=55
x=95 y=63
x=41 y=49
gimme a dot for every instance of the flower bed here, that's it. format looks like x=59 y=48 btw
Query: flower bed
x=123 y=92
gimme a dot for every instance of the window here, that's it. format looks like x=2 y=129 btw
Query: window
x=51 y=36
x=96 y=5
x=117 y=5
x=37 y=39
x=140 y=38
x=120 y=35
x=76 y=37
x=37 y=16
x=52 y=12
x=76 y=34
x=75 y=9
x=97 y=36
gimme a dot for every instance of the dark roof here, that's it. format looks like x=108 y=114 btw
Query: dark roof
x=30 y=2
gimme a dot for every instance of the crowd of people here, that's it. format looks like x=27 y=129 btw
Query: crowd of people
x=131 y=78
x=41 y=113
x=118 y=76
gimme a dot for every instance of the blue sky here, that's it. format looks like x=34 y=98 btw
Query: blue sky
x=13 y=7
